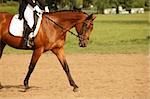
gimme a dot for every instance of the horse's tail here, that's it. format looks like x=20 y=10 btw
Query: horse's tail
x=4 y=21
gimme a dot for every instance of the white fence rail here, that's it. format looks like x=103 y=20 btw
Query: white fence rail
x=123 y=11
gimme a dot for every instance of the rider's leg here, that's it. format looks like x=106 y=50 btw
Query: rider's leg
x=31 y=39
x=29 y=17
x=22 y=8
x=35 y=20
x=27 y=31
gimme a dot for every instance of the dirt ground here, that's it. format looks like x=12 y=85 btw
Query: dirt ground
x=99 y=76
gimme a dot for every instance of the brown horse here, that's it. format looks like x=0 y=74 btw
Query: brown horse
x=51 y=36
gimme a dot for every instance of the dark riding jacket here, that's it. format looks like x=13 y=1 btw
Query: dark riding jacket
x=23 y=4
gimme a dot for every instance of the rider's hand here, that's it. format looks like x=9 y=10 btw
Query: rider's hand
x=46 y=9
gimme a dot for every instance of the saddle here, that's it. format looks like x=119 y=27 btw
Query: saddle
x=16 y=27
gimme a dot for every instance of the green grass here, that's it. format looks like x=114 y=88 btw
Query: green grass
x=111 y=34
x=11 y=7
x=116 y=34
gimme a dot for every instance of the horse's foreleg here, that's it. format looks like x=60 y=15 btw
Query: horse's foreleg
x=2 y=45
x=59 y=52
x=36 y=54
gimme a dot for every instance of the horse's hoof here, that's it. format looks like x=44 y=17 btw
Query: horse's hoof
x=76 y=90
x=24 y=89
x=27 y=87
x=1 y=86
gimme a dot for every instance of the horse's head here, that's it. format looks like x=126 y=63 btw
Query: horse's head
x=84 y=30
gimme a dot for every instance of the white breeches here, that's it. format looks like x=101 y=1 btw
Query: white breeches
x=29 y=15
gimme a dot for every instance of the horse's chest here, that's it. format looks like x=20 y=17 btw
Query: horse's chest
x=59 y=43
x=54 y=44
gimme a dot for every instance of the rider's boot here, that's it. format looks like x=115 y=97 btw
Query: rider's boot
x=27 y=43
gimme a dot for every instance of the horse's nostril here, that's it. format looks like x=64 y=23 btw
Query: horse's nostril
x=80 y=44
x=83 y=45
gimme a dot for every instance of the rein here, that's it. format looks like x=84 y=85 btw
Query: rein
x=63 y=27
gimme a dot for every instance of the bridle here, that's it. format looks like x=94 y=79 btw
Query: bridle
x=84 y=28
x=78 y=36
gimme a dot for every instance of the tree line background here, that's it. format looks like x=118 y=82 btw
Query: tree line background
x=98 y=5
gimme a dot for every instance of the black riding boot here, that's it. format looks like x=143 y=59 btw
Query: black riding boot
x=29 y=43
x=26 y=33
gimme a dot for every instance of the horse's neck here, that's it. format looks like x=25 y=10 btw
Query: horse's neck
x=70 y=19
x=73 y=18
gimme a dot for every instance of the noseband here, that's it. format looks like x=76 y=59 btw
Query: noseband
x=84 y=28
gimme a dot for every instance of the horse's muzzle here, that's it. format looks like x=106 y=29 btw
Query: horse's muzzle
x=82 y=44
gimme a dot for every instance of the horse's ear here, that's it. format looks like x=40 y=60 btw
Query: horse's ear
x=91 y=17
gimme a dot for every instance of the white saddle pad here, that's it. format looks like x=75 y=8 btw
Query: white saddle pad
x=16 y=27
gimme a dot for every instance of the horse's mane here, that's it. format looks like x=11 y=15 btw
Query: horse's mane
x=54 y=12
x=73 y=11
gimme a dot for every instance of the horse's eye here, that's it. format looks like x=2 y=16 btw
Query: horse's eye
x=90 y=25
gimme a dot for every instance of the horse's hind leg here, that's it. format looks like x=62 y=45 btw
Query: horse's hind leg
x=2 y=45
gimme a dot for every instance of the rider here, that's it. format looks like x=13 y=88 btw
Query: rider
x=30 y=11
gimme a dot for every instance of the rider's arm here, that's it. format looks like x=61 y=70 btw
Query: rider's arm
x=42 y=4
